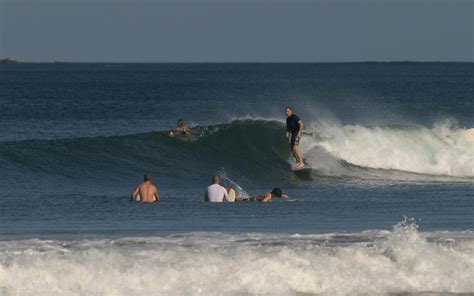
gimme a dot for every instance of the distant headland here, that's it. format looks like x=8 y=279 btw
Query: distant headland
x=9 y=61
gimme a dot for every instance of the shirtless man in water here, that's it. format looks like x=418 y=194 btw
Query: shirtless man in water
x=266 y=197
x=180 y=129
x=148 y=192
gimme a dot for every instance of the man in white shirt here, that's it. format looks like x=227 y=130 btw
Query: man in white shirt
x=215 y=192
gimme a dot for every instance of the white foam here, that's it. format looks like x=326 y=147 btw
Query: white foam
x=372 y=262
x=443 y=150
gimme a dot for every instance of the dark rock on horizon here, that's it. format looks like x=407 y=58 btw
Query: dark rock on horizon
x=8 y=62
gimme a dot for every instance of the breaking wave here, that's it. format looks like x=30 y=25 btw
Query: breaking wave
x=256 y=149
x=372 y=262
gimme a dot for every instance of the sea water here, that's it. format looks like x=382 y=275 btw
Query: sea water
x=387 y=207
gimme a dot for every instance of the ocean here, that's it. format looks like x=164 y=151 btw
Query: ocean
x=387 y=207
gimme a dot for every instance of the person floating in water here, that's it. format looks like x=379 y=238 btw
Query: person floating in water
x=180 y=129
x=146 y=192
x=216 y=192
x=266 y=197
x=294 y=127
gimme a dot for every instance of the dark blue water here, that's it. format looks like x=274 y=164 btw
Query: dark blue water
x=384 y=140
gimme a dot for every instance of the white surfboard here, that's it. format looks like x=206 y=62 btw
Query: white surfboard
x=231 y=195
x=137 y=198
x=293 y=200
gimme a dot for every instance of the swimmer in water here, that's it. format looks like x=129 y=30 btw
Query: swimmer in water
x=266 y=197
x=216 y=192
x=147 y=191
x=180 y=129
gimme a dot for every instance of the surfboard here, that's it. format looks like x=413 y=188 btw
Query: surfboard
x=231 y=195
x=137 y=198
x=303 y=173
x=305 y=168
x=293 y=200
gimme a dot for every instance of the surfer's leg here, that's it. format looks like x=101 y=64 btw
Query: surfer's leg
x=292 y=147
x=297 y=155
x=296 y=151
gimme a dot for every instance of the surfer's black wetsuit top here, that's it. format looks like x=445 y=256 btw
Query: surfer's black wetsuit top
x=293 y=127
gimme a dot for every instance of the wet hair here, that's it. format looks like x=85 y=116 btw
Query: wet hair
x=147 y=177
x=216 y=179
x=180 y=121
x=288 y=107
x=277 y=192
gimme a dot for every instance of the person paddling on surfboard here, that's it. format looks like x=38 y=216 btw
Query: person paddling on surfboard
x=294 y=127
x=180 y=129
x=266 y=197
x=146 y=192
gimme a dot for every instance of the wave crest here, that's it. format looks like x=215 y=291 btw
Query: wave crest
x=440 y=151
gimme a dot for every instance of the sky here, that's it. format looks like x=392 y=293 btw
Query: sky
x=236 y=30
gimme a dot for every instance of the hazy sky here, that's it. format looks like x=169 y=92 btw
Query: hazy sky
x=236 y=30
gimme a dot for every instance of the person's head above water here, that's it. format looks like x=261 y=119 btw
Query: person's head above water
x=147 y=177
x=216 y=179
x=180 y=123
x=288 y=111
x=277 y=192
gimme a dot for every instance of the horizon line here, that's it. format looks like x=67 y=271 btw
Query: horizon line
x=232 y=62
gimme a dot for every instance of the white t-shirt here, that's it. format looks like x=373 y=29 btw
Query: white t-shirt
x=215 y=193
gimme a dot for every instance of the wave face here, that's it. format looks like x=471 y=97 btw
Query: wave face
x=372 y=262
x=253 y=149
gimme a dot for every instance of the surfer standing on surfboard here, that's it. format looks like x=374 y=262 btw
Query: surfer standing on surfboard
x=294 y=127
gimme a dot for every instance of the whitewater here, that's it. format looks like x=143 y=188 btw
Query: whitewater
x=443 y=150
x=402 y=260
